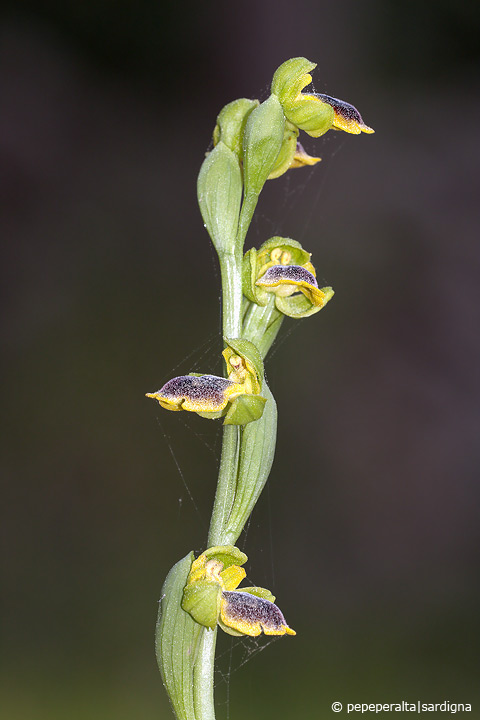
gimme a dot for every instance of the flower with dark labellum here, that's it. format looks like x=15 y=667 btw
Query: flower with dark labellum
x=285 y=280
x=210 y=596
x=314 y=113
x=248 y=614
x=346 y=116
x=203 y=393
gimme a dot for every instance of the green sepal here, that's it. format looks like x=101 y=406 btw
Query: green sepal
x=202 y=600
x=231 y=123
x=259 y=592
x=249 y=277
x=287 y=151
x=227 y=554
x=247 y=352
x=298 y=306
x=176 y=641
x=245 y=409
x=219 y=190
x=262 y=141
x=299 y=255
x=291 y=77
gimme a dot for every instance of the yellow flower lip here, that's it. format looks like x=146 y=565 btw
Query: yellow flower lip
x=346 y=116
x=250 y=615
x=204 y=393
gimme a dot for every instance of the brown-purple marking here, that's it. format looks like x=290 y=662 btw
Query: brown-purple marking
x=247 y=608
x=342 y=108
x=201 y=389
x=296 y=273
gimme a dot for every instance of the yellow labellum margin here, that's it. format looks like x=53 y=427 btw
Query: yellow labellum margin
x=210 y=596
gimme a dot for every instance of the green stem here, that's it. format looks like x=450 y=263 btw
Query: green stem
x=203 y=675
x=231 y=271
x=261 y=325
x=248 y=208
x=227 y=482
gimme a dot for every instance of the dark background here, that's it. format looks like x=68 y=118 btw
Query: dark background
x=368 y=531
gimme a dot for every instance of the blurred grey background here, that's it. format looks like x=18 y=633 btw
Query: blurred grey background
x=368 y=530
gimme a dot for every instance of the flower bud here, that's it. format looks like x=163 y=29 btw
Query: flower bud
x=231 y=123
x=219 y=190
x=262 y=141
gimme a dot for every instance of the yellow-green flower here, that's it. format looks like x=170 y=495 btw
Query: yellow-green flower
x=314 y=113
x=236 y=396
x=283 y=268
x=211 y=598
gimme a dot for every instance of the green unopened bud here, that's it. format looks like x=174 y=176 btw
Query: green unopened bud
x=231 y=123
x=219 y=191
x=262 y=142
